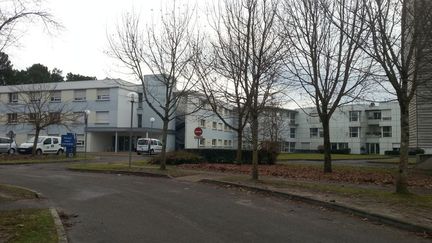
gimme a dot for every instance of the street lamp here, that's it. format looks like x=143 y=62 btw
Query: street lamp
x=132 y=99
x=152 y=119
x=86 y=115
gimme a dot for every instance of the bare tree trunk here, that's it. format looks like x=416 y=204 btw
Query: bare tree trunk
x=164 y=141
x=239 y=147
x=255 y=146
x=402 y=175
x=37 y=131
x=327 y=145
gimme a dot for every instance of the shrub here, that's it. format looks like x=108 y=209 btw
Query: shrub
x=178 y=157
x=411 y=151
x=228 y=156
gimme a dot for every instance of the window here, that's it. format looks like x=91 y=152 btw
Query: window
x=47 y=141
x=354 y=132
x=292 y=132
x=35 y=96
x=354 y=116
x=203 y=123
x=12 y=117
x=32 y=117
x=387 y=132
x=140 y=100
x=313 y=132
x=343 y=145
x=292 y=118
x=225 y=143
x=230 y=143
x=213 y=142
x=139 y=120
x=103 y=94
x=80 y=95
x=54 y=117
x=55 y=96
x=13 y=97
x=214 y=125
x=202 y=142
x=219 y=142
x=333 y=146
x=80 y=140
x=374 y=115
x=226 y=128
x=220 y=127
x=102 y=117
x=55 y=141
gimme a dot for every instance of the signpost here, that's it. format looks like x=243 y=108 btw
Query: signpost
x=198 y=135
x=68 y=141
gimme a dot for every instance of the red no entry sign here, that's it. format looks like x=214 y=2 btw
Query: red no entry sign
x=198 y=131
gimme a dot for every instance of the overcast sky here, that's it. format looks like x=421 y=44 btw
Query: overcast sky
x=79 y=47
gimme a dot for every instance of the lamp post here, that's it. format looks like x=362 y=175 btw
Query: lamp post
x=86 y=115
x=132 y=98
x=152 y=119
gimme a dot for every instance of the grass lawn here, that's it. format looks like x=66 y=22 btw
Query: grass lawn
x=409 y=200
x=27 y=225
x=313 y=156
x=393 y=160
x=12 y=193
x=137 y=166
x=28 y=159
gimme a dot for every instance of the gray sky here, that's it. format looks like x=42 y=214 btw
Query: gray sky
x=79 y=47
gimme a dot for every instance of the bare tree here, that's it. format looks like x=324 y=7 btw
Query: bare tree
x=37 y=105
x=248 y=53
x=325 y=57
x=16 y=12
x=168 y=50
x=400 y=41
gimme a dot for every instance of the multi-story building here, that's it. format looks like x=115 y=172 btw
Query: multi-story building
x=370 y=129
x=109 y=119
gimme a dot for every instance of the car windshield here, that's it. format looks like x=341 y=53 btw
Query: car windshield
x=30 y=140
x=143 y=142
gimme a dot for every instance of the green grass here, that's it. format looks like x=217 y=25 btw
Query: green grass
x=27 y=225
x=394 y=160
x=12 y=193
x=370 y=194
x=313 y=156
x=137 y=166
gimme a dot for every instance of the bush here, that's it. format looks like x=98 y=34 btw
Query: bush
x=411 y=151
x=228 y=156
x=334 y=151
x=178 y=157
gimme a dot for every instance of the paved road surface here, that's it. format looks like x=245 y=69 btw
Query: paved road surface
x=113 y=208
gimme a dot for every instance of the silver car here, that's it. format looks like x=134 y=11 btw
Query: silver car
x=7 y=145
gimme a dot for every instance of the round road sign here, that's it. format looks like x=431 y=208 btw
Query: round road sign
x=198 y=131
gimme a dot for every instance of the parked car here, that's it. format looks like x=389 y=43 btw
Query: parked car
x=7 y=145
x=45 y=145
x=148 y=145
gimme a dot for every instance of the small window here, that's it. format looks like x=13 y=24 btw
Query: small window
x=12 y=117
x=214 y=142
x=354 y=116
x=103 y=94
x=56 y=96
x=13 y=97
x=54 y=117
x=55 y=141
x=313 y=132
x=140 y=100
x=47 y=141
x=159 y=143
x=202 y=142
x=387 y=132
x=292 y=132
x=214 y=125
x=220 y=126
x=202 y=123
x=80 y=95
x=354 y=132
x=139 y=120
x=80 y=140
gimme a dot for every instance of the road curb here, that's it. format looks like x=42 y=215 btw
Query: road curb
x=331 y=205
x=61 y=233
x=122 y=172
x=38 y=194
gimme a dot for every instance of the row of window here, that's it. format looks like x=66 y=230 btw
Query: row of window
x=354 y=132
x=102 y=117
x=55 y=96
x=216 y=142
x=354 y=116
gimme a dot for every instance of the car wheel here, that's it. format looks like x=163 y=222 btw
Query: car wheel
x=151 y=151
x=11 y=151
x=60 y=152
x=39 y=152
x=138 y=153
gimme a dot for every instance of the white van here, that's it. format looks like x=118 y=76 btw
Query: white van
x=148 y=145
x=45 y=145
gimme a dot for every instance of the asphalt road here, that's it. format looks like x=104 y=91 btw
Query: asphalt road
x=114 y=208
